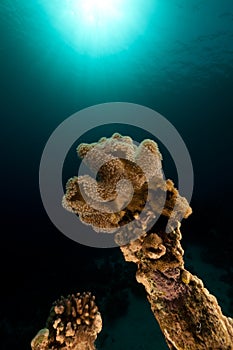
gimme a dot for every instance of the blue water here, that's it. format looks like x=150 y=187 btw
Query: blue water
x=180 y=64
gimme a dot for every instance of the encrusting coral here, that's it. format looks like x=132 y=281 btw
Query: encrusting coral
x=189 y=316
x=73 y=324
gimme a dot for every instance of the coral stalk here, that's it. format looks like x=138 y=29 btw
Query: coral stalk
x=189 y=316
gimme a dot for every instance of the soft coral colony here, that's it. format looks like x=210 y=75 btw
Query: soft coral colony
x=188 y=315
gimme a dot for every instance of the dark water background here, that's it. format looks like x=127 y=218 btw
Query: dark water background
x=181 y=66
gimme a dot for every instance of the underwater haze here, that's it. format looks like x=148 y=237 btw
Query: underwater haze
x=58 y=57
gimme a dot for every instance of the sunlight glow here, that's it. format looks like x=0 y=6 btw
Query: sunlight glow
x=99 y=12
x=99 y=27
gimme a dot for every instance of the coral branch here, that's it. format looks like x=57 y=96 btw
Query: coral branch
x=189 y=316
x=73 y=324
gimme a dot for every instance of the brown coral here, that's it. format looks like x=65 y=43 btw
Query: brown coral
x=152 y=246
x=73 y=323
x=129 y=182
x=189 y=317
